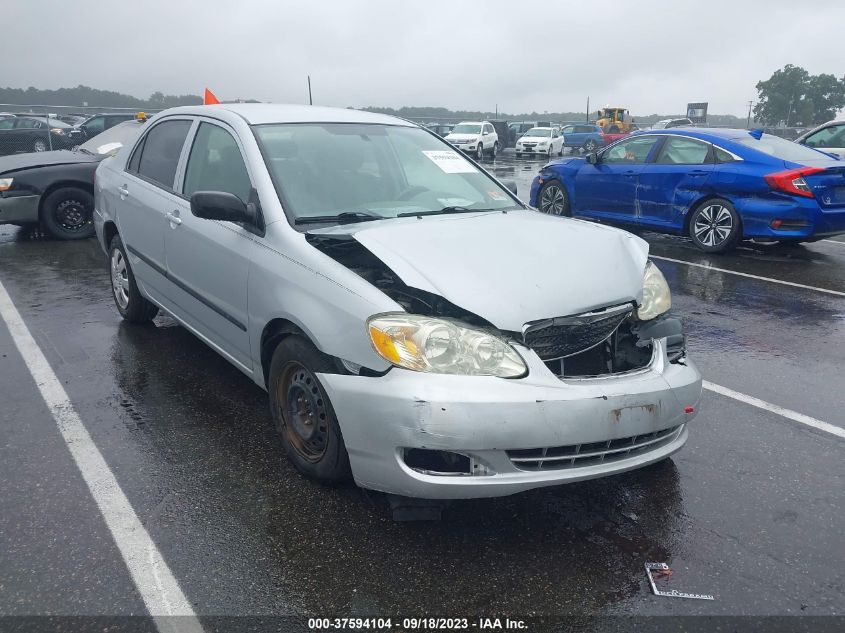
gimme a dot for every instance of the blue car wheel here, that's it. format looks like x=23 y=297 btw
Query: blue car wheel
x=554 y=199
x=714 y=226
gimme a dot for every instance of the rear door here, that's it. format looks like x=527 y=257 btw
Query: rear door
x=609 y=188
x=677 y=176
x=208 y=261
x=145 y=192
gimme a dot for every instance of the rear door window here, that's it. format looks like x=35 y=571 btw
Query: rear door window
x=159 y=156
x=683 y=151
x=216 y=164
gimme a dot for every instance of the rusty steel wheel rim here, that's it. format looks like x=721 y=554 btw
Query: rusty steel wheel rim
x=303 y=411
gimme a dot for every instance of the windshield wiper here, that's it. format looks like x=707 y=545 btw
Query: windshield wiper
x=443 y=211
x=347 y=217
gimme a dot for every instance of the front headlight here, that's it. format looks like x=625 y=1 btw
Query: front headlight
x=6 y=184
x=657 y=298
x=543 y=143
x=440 y=346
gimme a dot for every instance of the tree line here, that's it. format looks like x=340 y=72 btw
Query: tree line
x=794 y=97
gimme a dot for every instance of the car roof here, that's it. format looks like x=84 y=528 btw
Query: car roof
x=704 y=134
x=264 y=113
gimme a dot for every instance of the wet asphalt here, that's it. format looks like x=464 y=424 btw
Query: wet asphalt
x=751 y=510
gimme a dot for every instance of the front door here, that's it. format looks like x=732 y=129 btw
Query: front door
x=608 y=188
x=677 y=177
x=208 y=261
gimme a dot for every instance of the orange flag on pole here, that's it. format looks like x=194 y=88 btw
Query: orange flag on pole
x=209 y=99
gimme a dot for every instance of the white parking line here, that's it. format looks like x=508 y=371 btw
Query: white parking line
x=838 y=293
x=773 y=408
x=835 y=242
x=155 y=582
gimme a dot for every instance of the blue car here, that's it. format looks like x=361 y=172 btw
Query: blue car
x=586 y=136
x=716 y=186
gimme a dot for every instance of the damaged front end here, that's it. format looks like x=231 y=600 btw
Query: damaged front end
x=604 y=342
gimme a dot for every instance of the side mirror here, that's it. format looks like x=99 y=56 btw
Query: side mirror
x=510 y=185
x=219 y=205
x=593 y=158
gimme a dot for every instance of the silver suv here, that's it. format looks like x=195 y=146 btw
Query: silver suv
x=416 y=326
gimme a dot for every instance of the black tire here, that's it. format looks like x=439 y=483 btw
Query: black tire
x=590 y=146
x=553 y=199
x=303 y=414
x=495 y=149
x=68 y=214
x=132 y=305
x=40 y=145
x=560 y=153
x=715 y=226
x=479 y=152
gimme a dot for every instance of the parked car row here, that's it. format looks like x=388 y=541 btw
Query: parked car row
x=40 y=133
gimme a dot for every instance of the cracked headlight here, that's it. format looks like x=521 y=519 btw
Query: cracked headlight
x=441 y=346
x=656 y=296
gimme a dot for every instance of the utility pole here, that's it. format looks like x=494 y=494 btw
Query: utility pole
x=748 y=121
x=310 y=100
x=497 y=110
x=588 y=110
x=789 y=114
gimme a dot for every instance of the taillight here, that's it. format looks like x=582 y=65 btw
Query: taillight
x=792 y=181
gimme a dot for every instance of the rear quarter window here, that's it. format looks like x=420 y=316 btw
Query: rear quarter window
x=780 y=148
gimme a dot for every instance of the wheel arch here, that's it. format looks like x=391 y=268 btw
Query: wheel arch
x=109 y=231
x=271 y=335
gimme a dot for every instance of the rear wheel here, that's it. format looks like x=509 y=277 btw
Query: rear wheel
x=302 y=413
x=68 y=214
x=553 y=199
x=479 y=152
x=590 y=146
x=40 y=145
x=131 y=304
x=715 y=226
x=495 y=149
x=560 y=153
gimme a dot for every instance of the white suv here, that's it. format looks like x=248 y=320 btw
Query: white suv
x=475 y=137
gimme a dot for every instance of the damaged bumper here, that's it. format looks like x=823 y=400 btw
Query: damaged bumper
x=448 y=437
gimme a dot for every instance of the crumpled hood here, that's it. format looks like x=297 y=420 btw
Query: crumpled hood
x=16 y=162
x=509 y=268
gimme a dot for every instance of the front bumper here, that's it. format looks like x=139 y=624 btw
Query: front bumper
x=485 y=417
x=19 y=209
x=532 y=150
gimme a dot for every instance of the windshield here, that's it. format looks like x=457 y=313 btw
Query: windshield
x=660 y=125
x=123 y=133
x=466 y=129
x=538 y=131
x=780 y=148
x=325 y=169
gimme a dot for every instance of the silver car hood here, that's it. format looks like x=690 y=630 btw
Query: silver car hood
x=509 y=268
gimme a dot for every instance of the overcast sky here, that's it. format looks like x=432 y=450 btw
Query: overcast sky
x=652 y=56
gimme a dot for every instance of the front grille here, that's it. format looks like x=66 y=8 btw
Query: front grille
x=581 y=455
x=565 y=336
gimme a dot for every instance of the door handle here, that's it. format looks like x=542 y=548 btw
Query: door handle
x=174 y=218
x=123 y=191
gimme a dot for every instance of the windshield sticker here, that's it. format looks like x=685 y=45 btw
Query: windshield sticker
x=455 y=202
x=497 y=195
x=450 y=162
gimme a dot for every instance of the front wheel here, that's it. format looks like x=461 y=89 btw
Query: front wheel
x=495 y=149
x=302 y=413
x=479 y=152
x=131 y=304
x=553 y=199
x=68 y=214
x=715 y=226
